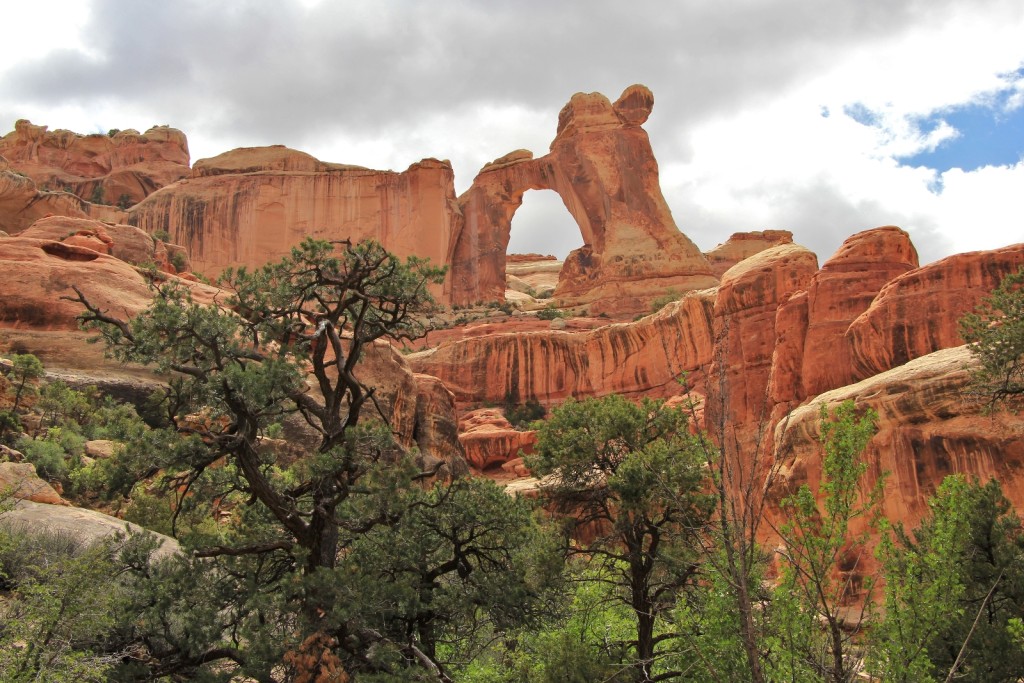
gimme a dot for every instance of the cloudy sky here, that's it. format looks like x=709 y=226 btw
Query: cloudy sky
x=823 y=117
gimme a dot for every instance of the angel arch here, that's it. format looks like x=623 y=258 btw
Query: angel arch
x=602 y=166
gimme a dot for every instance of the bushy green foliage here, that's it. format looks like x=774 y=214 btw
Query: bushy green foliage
x=953 y=588
x=995 y=332
x=631 y=473
x=550 y=313
x=522 y=416
x=822 y=563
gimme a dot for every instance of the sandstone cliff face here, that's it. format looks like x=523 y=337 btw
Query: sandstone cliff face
x=644 y=357
x=250 y=206
x=436 y=433
x=811 y=353
x=602 y=166
x=745 y=335
x=927 y=429
x=919 y=312
x=123 y=168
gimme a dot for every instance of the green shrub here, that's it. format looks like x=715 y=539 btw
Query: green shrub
x=47 y=456
x=550 y=313
x=520 y=416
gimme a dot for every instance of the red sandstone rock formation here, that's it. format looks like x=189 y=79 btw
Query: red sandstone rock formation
x=123 y=168
x=811 y=353
x=745 y=335
x=37 y=273
x=602 y=165
x=490 y=441
x=641 y=358
x=436 y=433
x=22 y=203
x=250 y=206
x=743 y=245
x=928 y=429
x=126 y=242
x=919 y=312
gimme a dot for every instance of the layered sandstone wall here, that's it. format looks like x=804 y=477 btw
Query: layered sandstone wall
x=251 y=206
x=643 y=357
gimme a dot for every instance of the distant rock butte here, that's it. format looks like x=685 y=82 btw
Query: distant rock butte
x=250 y=206
x=121 y=168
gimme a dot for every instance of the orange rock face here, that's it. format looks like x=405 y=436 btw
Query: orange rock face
x=126 y=242
x=643 y=357
x=123 y=168
x=919 y=312
x=743 y=245
x=490 y=441
x=928 y=428
x=811 y=353
x=436 y=431
x=602 y=165
x=36 y=273
x=745 y=334
x=250 y=206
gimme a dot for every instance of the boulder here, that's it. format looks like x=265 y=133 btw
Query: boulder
x=87 y=526
x=490 y=441
x=19 y=480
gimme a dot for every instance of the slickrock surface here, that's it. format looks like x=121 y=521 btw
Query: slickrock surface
x=928 y=428
x=37 y=273
x=87 y=526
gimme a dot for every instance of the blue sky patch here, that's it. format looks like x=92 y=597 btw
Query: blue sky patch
x=989 y=135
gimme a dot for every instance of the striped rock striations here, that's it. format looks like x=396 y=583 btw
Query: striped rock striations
x=919 y=312
x=811 y=353
x=645 y=357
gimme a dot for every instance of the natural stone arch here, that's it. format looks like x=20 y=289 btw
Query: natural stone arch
x=602 y=166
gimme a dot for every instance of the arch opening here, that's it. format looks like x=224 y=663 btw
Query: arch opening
x=542 y=233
